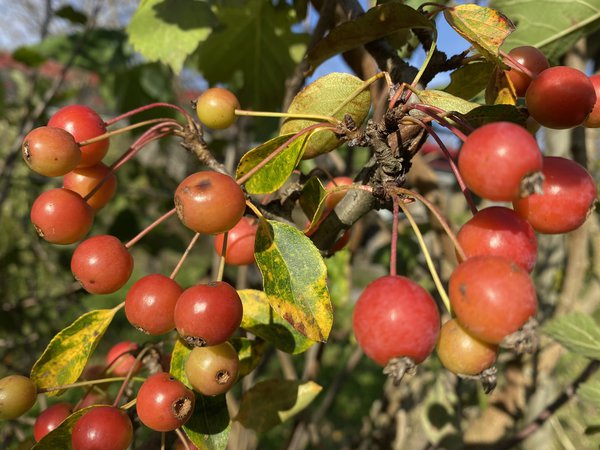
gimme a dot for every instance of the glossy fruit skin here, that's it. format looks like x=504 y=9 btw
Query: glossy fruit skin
x=500 y=231
x=84 y=179
x=462 y=353
x=560 y=97
x=492 y=297
x=395 y=317
x=17 y=396
x=568 y=195
x=333 y=199
x=209 y=202
x=212 y=370
x=50 y=151
x=208 y=314
x=240 y=242
x=50 y=418
x=216 y=108
x=93 y=398
x=102 y=428
x=125 y=360
x=150 y=304
x=164 y=403
x=495 y=159
x=102 y=264
x=61 y=216
x=593 y=119
x=531 y=58
x=83 y=123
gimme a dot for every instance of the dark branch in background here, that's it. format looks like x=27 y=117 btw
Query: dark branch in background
x=34 y=112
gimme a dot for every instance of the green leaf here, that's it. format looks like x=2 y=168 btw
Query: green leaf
x=311 y=198
x=577 y=332
x=446 y=101
x=339 y=271
x=250 y=352
x=590 y=392
x=170 y=30
x=260 y=319
x=29 y=56
x=274 y=174
x=495 y=113
x=209 y=426
x=554 y=26
x=71 y=14
x=60 y=437
x=271 y=402
x=68 y=352
x=330 y=95
x=468 y=81
x=376 y=23
x=485 y=28
x=294 y=278
x=254 y=48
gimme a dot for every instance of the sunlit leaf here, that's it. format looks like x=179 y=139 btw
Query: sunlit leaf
x=500 y=90
x=68 y=352
x=336 y=95
x=261 y=320
x=376 y=23
x=446 y=101
x=554 y=26
x=576 y=331
x=170 y=30
x=485 y=28
x=294 y=278
x=272 y=175
x=590 y=392
x=469 y=80
x=272 y=402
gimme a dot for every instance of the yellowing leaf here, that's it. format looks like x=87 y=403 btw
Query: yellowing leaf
x=250 y=352
x=334 y=95
x=294 y=278
x=272 y=402
x=500 y=90
x=68 y=352
x=485 y=28
x=445 y=101
x=261 y=320
x=272 y=175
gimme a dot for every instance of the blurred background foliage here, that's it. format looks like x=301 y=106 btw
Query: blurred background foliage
x=56 y=53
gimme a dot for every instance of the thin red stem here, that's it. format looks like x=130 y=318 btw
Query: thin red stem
x=126 y=129
x=514 y=64
x=453 y=167
x=279 y=149
x=184 y=256
x=149 y=228
x=129 y=375
x=146 y=108
x=433 y=112
x=394 y=243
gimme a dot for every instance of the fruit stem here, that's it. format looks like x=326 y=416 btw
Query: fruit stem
x=129 y=375
x=129 y=404
x=514 y=64
x=84 y=383
x=146 y=108
x=254 y=209
x=108 y=134
x=439 y=116
x=182 y=438
x=316 y=117
x=280 y=149
x=430 y=265
x=184 y=256
x=453 y=167
x=222 y=258
x=428 y=57
x=438 y=215
x=149 y=228
x=394 y=242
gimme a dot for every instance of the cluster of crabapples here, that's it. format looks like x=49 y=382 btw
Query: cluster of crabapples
x=491 y=293
x=205 y=316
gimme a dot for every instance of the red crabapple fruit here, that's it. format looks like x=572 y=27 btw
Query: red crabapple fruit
x=82 y=180
x=121 y=359
x=532 y=59
x=102 y=427
x=50 y=418
x=50 y=151
x=240 y=242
